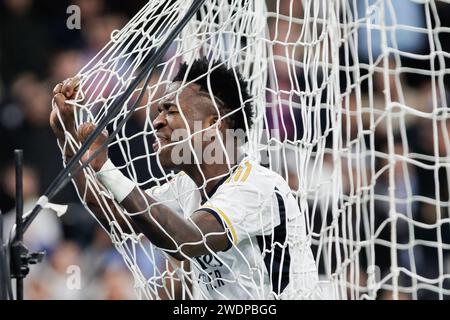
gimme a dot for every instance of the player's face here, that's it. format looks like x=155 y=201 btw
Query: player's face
x=180 y=112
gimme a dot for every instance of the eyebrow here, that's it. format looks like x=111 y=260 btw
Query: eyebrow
x=166 y=104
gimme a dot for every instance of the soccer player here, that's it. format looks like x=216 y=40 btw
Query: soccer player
x=233 y=219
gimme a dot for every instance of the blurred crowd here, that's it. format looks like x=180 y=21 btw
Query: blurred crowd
x=418 y=206
x=37 y=51
x=373 y=139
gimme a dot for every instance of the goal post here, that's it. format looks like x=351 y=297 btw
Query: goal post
x=350 y=107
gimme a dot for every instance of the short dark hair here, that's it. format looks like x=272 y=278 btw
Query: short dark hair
x=225 y=85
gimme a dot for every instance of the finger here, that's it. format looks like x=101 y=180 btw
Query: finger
x=67 y=88
x=60 y=101
x=102 y=137
x=64 y=87
x=57 y=89
x=75 y=81
x=72 y=85
x=85 y=130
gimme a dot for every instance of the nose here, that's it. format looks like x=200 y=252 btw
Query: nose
x=160 y=121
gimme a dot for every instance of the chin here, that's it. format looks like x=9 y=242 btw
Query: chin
x=165 y=159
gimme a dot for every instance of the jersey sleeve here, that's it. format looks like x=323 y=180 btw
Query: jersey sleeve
x=245 y=206
x=167 y=194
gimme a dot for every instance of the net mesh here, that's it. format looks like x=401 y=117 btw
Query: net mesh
x=335 y=114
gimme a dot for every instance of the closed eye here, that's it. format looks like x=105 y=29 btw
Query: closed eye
x=170 y=108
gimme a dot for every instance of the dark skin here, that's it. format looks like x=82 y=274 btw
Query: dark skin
x=162 y=226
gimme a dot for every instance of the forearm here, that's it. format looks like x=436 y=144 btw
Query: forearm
x=103 y=208
x=162 y=226
x=62 y=122
x=165 y=228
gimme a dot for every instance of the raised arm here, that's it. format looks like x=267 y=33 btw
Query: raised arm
x=165 y=228
x=180 y=237
x=62 y=121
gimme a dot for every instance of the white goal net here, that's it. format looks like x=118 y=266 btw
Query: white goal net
x=350 y=107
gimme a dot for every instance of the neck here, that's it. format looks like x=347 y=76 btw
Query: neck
x=207 y=173
x=207 y=176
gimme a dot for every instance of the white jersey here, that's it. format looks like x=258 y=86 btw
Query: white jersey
x=268 y=254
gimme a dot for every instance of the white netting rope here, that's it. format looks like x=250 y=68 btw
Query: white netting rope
x=308 y=81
